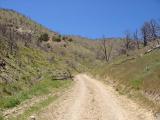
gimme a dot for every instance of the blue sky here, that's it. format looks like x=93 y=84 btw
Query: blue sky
x=88 y=18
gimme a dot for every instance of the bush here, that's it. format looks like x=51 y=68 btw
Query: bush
x=11 y=102
x=48 y=45
x=56 y=39
x=44 y=37
x=64 y=38
x=70 y=39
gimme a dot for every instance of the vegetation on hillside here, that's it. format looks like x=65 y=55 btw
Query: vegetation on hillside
x=33 y=59
x=135 y=70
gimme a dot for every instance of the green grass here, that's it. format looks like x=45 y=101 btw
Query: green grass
x=26 y=87
x=48 y=87
x=136 y=83
x=41 y=88
x=28 y=71
x=35 y=65
x=1 y=118
x=35 y=108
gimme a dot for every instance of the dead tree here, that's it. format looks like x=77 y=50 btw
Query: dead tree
x=127 y=43
x=155 y=30
x=106 y=48
x=12 y=42
x=135 y=37
x=27 y=39
x=150 y=31
x=3 y=29
x=127 y=40
x=145 y=30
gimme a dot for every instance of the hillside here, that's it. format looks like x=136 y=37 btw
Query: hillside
x=136 y=76
x=38 y=65
x=27 y=65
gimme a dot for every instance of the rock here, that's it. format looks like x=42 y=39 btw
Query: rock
x=141 y=55
x=32 y=117
x=157 y=116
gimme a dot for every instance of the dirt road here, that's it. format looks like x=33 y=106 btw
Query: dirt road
x=92 y=100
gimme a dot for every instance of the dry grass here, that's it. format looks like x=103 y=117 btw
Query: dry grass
x=139 y=77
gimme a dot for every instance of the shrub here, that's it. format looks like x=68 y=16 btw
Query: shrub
x=48 y=45
x=64 y=38
x=56 y=39
x=11 y=102
x=44 y=37
x=70 y=39
x=136 y=84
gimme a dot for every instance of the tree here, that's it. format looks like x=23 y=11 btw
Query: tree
x=28 y=38
x=127 y=40
x=155 y=30
x=145 y=31
x=11 y=42
x=150 y=31
x=44 y=37
x=106 y=49
x=135 y=37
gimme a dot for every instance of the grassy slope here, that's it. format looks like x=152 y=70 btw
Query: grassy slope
x=135 y=77
x=33 y=78
x=30 y=75
x=29 y=72
x=14 y=19
x=44 y=87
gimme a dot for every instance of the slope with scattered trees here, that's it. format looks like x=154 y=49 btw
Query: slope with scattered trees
x=32 y=56
x=135 y=69
x=34 y=60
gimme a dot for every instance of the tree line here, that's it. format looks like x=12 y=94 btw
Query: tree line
x=148 y=33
